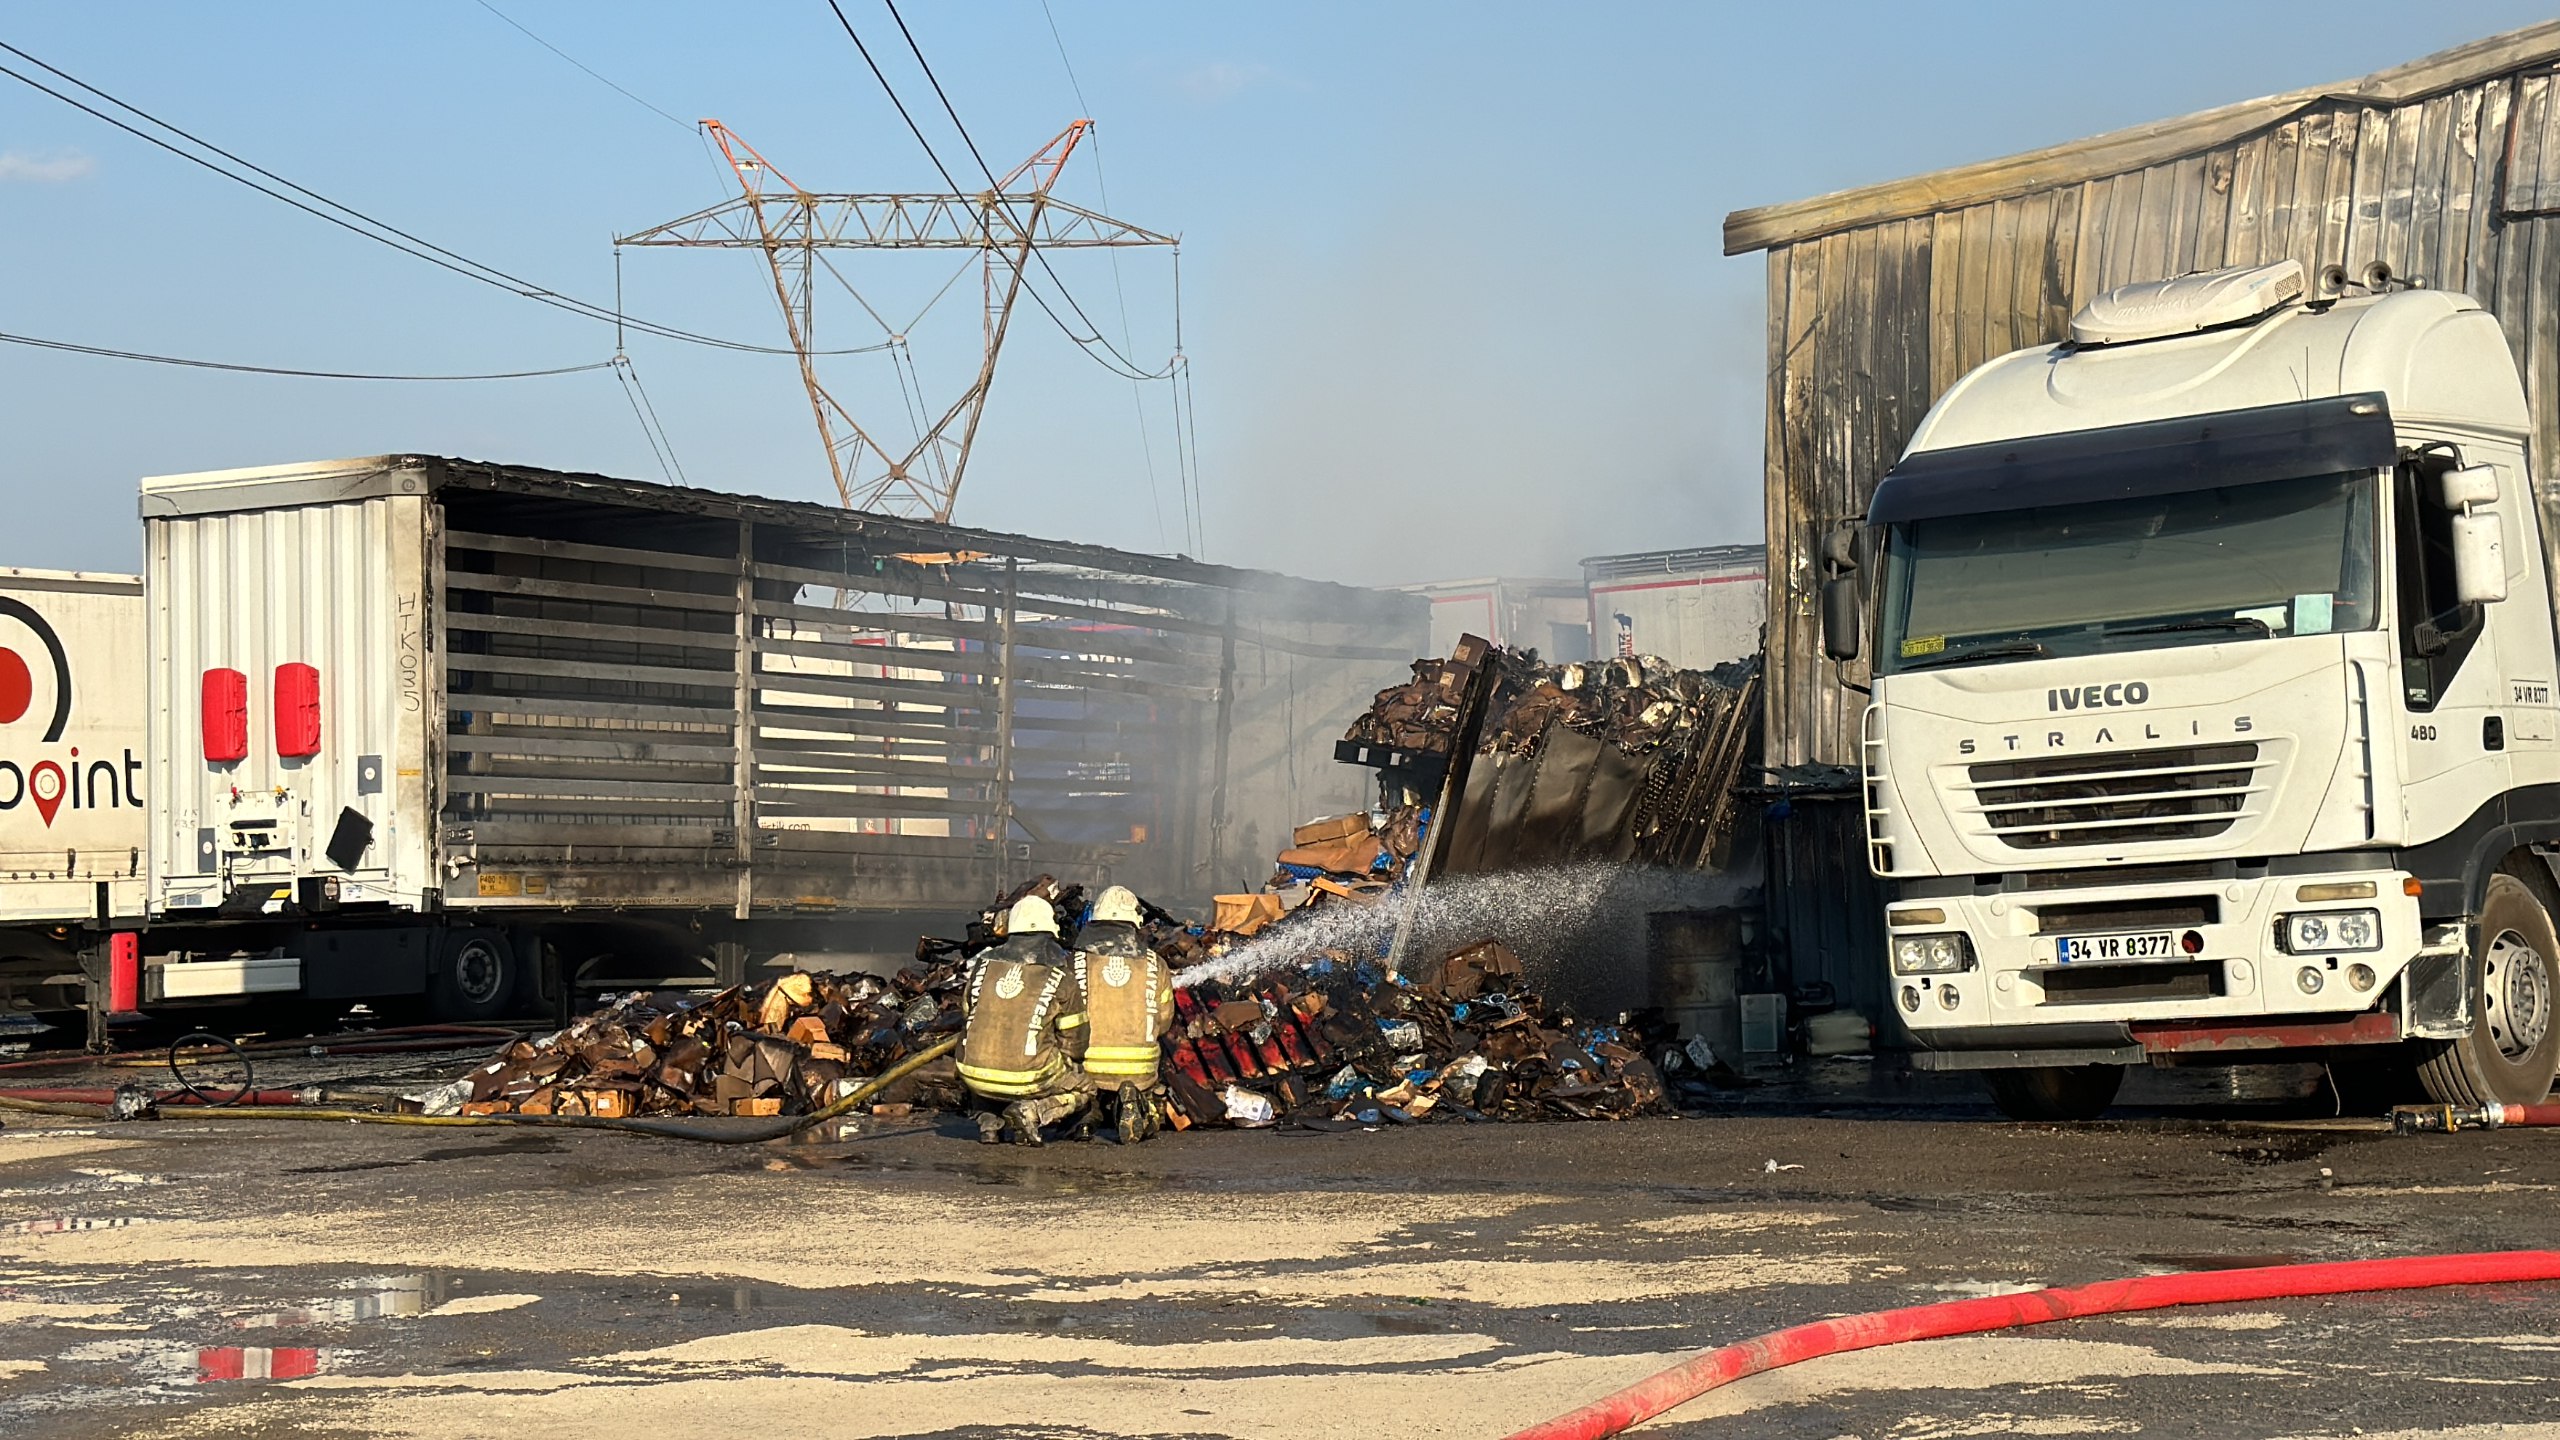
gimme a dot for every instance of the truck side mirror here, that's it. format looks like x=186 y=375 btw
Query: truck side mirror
x=2479 y=557
x=1841 y=599
x=2479 y=542
x=1840 y=606
x=2468 y=485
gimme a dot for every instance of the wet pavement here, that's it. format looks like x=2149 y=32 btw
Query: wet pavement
x=195 y=1277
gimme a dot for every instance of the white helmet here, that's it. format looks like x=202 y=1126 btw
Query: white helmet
x=1031 y=913
x=1117 y=903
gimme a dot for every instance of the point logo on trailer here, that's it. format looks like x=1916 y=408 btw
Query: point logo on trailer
x=48 y=783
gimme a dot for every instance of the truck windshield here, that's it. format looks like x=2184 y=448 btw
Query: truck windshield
x=2245 y=562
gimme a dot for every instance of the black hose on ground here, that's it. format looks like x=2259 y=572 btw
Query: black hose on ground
x=778 y=1129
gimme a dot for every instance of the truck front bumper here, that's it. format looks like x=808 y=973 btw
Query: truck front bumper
x=2230 y=983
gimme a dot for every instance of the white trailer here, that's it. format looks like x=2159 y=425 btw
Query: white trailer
x=1698 y=608
x=431 y=726
x=72 y=776
x=2216 y=711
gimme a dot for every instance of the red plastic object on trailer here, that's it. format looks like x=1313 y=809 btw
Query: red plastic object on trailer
x=226 y=715
x=297 y=710
x=124 y=973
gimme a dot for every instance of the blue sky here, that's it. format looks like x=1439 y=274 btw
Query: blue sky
x=1452 y=287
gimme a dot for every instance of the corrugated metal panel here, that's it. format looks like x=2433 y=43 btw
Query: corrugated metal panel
x=1826 y=909
x=1871 y=321
x=340 y=587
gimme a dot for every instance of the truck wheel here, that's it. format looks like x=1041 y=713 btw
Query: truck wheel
x=2054 y=1092
x=2513 y=1049
x=474 y=977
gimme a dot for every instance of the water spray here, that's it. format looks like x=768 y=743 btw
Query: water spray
x=1553 y=919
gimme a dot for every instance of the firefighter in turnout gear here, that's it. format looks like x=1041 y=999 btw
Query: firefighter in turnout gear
x=1025 y=1029
x=1128 y=996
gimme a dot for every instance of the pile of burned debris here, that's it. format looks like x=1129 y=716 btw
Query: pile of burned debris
x=779 y=1049
x=1327 y=1039
x=1335 y=1042
x=1638 y=703
x=1359 y=858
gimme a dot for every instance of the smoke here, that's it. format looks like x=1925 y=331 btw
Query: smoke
x=1579 y=931
x=1605 y=409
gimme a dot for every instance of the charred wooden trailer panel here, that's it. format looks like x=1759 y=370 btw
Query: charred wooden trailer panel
x=412 y=684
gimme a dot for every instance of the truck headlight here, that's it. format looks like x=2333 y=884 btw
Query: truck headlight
x=1931 y=954
x=2331 y=932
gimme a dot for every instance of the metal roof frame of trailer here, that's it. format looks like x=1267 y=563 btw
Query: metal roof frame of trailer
x=1693 y=560
x=271 y=486
x=2133 y=148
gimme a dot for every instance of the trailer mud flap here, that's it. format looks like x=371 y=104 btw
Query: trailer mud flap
x=2435 y=996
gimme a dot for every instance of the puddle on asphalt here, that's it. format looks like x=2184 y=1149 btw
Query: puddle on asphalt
x=218 y=1363
x=393 y=1297
x=736 y=1299
x=2216 y=1262
x=67 y=1224
x=1401 y=1325
x=90 y=1181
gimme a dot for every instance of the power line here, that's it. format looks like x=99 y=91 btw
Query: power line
x=35 y=342
x=1120 y=291
x=415 y=247
x=1082 y=342
x=647 y=414
x=985 y=169
x=574 y=60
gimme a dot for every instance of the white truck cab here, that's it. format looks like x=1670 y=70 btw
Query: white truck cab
x=2213 y=711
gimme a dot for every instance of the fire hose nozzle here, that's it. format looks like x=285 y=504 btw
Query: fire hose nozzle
x=2446 y=1119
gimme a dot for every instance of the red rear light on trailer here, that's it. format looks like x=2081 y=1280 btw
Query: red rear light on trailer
x=226 y=715
x=297 y=710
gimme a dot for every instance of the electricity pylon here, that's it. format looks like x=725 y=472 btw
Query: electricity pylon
x=791 y=225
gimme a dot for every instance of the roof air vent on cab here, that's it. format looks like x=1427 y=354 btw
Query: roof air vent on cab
x=2160 y=308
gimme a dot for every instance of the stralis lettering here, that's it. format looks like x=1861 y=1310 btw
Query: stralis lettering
x=2105 y=735
x=2090 y=697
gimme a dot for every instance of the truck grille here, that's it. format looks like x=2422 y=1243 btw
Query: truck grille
x=2181 y=792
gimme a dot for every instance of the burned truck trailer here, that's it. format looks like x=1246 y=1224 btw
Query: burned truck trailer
x=426 y=724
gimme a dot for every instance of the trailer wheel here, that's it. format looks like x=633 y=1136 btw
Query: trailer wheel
x=474 y=978
x=2513 y=1050
x=2054 y=1092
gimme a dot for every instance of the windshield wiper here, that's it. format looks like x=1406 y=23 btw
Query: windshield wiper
x=2200 y=622
x=1993 y=650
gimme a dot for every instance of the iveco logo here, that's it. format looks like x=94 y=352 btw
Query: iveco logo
x=2092 y=697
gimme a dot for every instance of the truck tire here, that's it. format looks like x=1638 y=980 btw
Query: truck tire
x=474 y=978
x=2054 y=1092
x=2513 y=1050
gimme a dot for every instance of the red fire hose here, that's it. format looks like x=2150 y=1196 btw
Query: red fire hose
x=1711 y=1369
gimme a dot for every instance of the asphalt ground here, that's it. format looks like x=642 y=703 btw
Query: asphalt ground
x=194 y=1277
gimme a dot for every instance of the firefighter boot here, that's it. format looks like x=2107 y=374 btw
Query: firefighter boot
x=990 y=1128
x=1024 y=1122
x=1136 y=1121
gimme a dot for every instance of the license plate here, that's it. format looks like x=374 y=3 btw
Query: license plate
x=2149 y=945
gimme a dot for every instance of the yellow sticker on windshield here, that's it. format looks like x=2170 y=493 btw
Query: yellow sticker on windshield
x=1925 y=645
